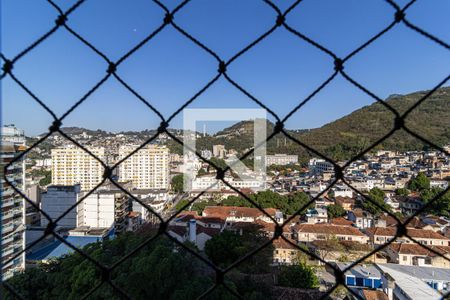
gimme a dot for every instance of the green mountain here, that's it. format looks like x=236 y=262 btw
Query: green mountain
x=353 y=133
x=358 y=130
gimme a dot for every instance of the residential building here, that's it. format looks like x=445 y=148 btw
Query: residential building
x=381 y=235
x=72 y=165
x=56 y=201
x=148 y=168
x=414 y=282
x=238 y=214
x=319 y=166
x=281 y=159
x=415 y=255
x=193 y=232
x=316 y=215
x=362 y=219
x=361 y=276
x=347 y=203
x=284 y=253
x=104 y=209
x=313 y=232
x=13 y=207
x=219 y=151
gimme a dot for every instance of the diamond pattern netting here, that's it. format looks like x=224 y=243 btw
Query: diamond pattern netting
x=281 y=19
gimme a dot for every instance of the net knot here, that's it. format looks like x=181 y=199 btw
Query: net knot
x=399 y=16
x=111 y=68
x=168 y=18
x=399 y=123
x=107 y=173
x=278 y=127
x=162 y=127
x=222 y=67
x=7 y=66
x=338 y=64
x=55 y=126
x=50 y=227
x=220 y=174
x=219 y=277
x=338 y=172
x=280 y=20
x=61 y=20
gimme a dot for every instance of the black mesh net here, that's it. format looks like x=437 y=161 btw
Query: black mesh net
x=280 y=22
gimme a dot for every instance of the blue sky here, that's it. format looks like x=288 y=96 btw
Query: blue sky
x=281 y=71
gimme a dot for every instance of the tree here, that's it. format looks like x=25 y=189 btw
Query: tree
x=377 y=196
x=227 y=247
x=224 y=249
x=440 y=206
x=402 y=192
x=201 y=172
x=178 y=183
x=419 y=183
x=335 y=211
x=154 y=272
x=299 y=275
x=219 y=162
x=181 y=204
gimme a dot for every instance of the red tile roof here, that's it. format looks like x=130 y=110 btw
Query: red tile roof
x=341 y=222
x=226 y=211
x=280 y=243
x=374 y=295
x=415 y=249
x=328 y=229
x=414 y=233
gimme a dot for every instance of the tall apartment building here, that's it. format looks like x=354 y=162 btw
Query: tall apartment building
x=146 y=169
x=281 y=159
x=103 y=209
x=72 y=165
x=12 y=204
x=56 y=201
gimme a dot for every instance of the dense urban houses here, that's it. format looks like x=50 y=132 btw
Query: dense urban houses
x=337 y=224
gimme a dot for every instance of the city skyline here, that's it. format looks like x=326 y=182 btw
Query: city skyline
x=169 y=74
x=197 y=149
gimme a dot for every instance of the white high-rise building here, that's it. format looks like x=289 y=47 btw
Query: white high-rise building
x=56 y=201
x=146 y=169
x=12 y=204
x=72 y=165
x=103 y=209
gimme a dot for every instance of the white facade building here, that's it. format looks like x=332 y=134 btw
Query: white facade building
x=72 y=165
x=281 y=159
x=319 y=166
x=12 y=212
x=146 y=169
x=103 y=209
